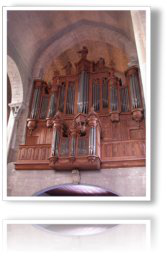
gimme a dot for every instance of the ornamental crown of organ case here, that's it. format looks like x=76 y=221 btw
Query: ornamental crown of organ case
x=89 y=120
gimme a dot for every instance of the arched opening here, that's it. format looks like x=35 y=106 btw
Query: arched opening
x=75 y=190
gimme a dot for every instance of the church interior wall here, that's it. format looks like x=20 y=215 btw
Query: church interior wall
x=122 y=181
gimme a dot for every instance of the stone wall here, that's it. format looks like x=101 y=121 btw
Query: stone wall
x=122 y=181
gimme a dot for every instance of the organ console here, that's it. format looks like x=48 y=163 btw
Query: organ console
x=89 y=120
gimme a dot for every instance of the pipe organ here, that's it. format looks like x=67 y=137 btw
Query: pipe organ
x=89 y=120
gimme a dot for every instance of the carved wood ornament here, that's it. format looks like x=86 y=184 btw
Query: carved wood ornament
x=86 y=121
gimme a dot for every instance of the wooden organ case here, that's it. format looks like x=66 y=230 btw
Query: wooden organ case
x=87 y=121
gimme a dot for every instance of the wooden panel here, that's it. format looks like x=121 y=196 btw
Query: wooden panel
x=137 y=134
x=31 y=140
x=31 y=153
x=123 y=149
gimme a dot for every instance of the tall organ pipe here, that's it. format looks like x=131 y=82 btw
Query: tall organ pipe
x=114 y=99
x=35 y=104
x=55 y=143
x=73 y=143
x=70 y=99
x=124 y=100
x=105 y=93
x=61 y=97
x=92 y=141
x=52 y=107
x=135 y=92
x=83 y=92
x=96 y=95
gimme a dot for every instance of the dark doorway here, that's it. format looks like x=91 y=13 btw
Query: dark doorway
x=75 y=190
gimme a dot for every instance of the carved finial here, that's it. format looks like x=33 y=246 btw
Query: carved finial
x=68 y=68
x=83 y=52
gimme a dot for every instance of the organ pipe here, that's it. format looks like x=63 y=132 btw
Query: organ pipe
x=82 y=146
x=135 y=92
x=92 y=141
x=105 y=93
x=55 y=143
x=124 y=100
x=114 y=99
x=96 y=95
x=61 y=98
x=44 y=107
x=52 y=107
x=83 y=93
x=70 y=98
x=73 y=143
x=65 y=146
x=35 y=103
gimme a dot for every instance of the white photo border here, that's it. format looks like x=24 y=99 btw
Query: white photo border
x=147 y=101
x=146 y=222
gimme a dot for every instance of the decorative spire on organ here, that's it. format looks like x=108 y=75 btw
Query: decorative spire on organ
x=83 y=52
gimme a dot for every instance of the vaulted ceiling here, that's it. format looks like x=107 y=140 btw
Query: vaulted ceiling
x=45 y=39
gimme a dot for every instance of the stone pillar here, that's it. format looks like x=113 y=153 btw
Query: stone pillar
x=12 y=126
x=139 y=27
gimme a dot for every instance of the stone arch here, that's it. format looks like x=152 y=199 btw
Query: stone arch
x=77 y=33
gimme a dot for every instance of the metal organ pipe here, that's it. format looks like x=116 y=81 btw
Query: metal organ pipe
x=96 y=95
x=114 y=99
x=105 y=93
x=124 y=100
x=52 y=107
x=55 y=143
x=92 y=141
x=44 y=107
x=73 y=143
x=83 y=92
x=61 y=98
x=35 y=104
x=70 y=98
x=135 y=93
